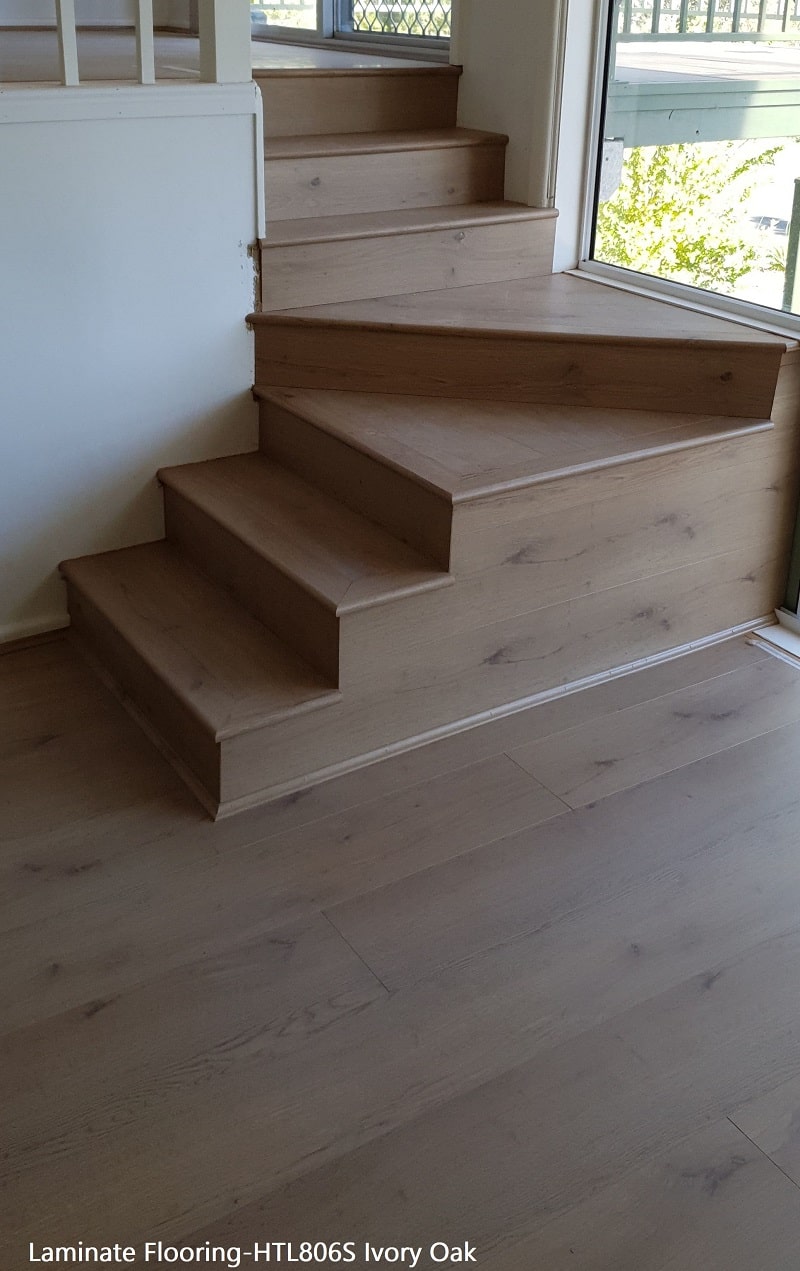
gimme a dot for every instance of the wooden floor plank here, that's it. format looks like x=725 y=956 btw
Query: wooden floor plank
x=50 y=845
x=713 y=1201
x=496 y=1163
x=613 y=883
x=193 y=1050
x=643 y=741
x=167 y=904
x=773 y=1123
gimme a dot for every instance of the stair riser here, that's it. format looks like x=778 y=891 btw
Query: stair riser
x=442 y=685
x=283 y=605
x=385 y=265
x=737 y=380
x=407 y=509
x=672 y=516
x=150 y=698
x=309 y=105
x=381 y=182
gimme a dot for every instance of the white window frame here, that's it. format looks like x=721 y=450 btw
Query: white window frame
x=328 y=29
x=576 y=231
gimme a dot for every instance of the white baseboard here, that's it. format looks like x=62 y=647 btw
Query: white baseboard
x=13 y=631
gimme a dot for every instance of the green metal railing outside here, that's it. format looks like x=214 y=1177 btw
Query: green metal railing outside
x=708 y=20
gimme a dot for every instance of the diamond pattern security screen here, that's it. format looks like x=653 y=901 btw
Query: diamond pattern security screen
x=430 y=18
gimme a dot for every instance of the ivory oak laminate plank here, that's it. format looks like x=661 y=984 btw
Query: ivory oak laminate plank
x=605 y=989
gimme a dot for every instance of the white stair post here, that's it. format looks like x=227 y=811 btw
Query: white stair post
x=145 y=45
x=225 y=41
x=67 y=42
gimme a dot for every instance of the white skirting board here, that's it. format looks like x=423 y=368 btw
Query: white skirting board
x=781 y=640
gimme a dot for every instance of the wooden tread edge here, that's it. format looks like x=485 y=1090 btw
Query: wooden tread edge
x=677 y=446
x=286 y=318
x=315 y=147
x=295 y=234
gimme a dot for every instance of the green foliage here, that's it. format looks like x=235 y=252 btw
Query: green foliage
x=680 y=212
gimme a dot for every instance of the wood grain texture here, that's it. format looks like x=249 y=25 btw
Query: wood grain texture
x=451 y=678
x=326 y=100
x=576 y=1114
x=255 y=886
x=294 y=558
x=458 y=255
x=638 y=959
x=558 y=305
x=359 y=179
x=539 y=885
x=772 y=1122
x=468 y=450
x=645 y=373
x=561 y=340
x=405 y=506
x=642 y=742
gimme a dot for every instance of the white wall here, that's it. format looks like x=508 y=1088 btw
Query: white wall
x=126 y=282
x=514 y=53
x=509 y=51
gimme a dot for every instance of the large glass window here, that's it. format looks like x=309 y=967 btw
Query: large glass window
x=700 y=152
x=404 y=19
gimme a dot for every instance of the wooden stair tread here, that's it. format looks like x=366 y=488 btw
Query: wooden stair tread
x=232 y=673
x=467 y=449
x=329 y=145
x=545 y=307
x=341 y=558
x=323 y=229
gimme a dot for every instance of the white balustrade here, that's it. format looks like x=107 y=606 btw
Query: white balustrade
x=224 y=27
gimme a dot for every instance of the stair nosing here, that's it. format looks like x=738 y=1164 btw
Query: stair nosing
x=494 y=215
x=364 y=143
x=288 y=318
x=475 y=493
x=438 y=578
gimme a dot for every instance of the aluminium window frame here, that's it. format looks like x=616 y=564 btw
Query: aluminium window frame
x=745 y=311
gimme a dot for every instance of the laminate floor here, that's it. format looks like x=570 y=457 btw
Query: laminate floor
x=528 y=995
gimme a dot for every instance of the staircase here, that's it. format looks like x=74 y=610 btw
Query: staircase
x=476 y=481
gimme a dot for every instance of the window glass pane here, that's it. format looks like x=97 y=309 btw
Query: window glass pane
x=429 y=18
x=701 y=146
x=300 y=14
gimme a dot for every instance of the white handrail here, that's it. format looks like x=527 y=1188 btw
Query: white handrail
x=67 y=42
x=145 y=43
